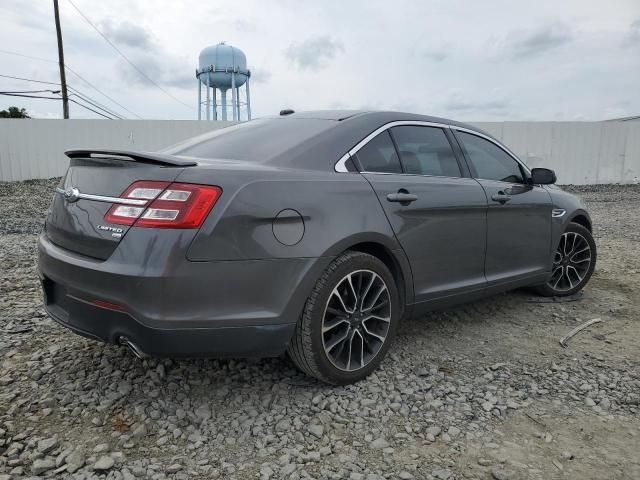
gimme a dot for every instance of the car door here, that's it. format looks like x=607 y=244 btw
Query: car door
x=519 y=213
x=438 y=215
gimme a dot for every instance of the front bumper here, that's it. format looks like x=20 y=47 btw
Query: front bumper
x=169 y=306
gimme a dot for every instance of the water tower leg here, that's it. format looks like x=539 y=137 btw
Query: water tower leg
x=208 y=99
x=214 y=106
x=199 y=99
x=248 y=101
x=223 y=101
x=234 y=98
x=238 y=102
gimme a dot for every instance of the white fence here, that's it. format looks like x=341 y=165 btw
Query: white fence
x=32 y=148
x=580 y=152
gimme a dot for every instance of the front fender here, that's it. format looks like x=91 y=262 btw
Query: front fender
x=573 y=207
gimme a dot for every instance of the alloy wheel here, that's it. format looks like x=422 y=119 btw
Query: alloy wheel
x=571 y=262
x=356 y=320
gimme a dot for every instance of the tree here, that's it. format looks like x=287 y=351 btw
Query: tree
x=14 y=112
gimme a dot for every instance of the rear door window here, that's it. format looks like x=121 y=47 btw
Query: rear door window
x=379 y=155
x=425 y=151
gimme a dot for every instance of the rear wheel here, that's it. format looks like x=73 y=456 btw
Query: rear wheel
x=348 y=321
x=573 y=263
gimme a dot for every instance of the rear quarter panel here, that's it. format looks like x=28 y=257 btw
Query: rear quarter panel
x=337 y=211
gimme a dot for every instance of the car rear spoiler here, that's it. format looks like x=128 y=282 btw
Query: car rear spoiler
x=142 y=157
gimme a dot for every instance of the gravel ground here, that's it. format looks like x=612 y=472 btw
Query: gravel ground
x=481 y=391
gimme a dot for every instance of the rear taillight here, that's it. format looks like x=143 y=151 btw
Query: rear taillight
x=169 y=205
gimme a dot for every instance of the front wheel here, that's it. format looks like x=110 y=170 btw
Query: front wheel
x=348 y=321
x=573 y=263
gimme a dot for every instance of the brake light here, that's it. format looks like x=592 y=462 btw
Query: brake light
x=169 y=205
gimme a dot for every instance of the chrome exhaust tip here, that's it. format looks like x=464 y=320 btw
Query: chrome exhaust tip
x=133 y=347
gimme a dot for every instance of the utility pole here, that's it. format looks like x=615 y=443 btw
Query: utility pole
x=63 y=78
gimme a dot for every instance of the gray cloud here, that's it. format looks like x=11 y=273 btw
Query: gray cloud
x=260 y=75
x=459 y=104
x=436 y=55
x=162 y=69
x=37 y=19
x=633 y=35
x=314 y=53
x=442 y=68
x=527 y=43
x=129 y=34
x=244 y=26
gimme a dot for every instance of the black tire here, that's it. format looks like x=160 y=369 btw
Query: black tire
x=548 y=289
x=307 y=346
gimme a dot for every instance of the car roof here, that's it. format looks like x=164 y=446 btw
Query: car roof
x=337 y=115
x=379 y=117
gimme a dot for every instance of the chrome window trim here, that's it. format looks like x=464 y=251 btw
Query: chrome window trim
x=102 y=198
x=340 y=165
x=416 y=175
x=496 y=143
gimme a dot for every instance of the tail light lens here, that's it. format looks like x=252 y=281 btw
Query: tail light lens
x=169 y=205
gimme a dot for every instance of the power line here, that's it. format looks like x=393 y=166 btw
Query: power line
x=26 y=94
x=97 y=105
x=72 y=71
x=94 y=102
x=86 y=98
x=27 y=56
x=101 y=92
x=90 y=109
x=34 y=91
x=9 y=94
x=29 y=80
x=124 y=56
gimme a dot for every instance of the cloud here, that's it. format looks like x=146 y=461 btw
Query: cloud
x=527 y=43
x=260 y=75
x=458 y=103
x=632 y=37
x=244 y=26
x=163 y=69
x=129 y=34
x=292 y=47
x=436 y=55
x=314 y=53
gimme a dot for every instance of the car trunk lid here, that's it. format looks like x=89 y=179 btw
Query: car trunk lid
x=76 y=220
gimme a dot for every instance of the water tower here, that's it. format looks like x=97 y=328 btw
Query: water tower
x=223 y=67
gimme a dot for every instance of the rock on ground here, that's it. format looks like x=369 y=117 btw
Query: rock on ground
x=470 y=392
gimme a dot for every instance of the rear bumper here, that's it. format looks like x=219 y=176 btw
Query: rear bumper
x=110 y=326
x=169 y=306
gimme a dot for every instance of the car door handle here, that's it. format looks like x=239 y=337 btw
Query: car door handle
x=405 y=198
x=501 y=197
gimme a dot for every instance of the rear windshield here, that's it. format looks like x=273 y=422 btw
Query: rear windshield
x=258 y=140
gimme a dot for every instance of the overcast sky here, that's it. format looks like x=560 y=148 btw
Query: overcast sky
x=468 y=60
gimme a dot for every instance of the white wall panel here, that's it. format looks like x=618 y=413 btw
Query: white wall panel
x=630 y=168
x=580 y=152
x=34 y=148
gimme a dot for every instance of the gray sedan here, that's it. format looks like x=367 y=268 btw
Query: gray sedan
x=309 y=233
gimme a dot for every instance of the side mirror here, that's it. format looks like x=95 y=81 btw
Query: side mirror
x=543 y=176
